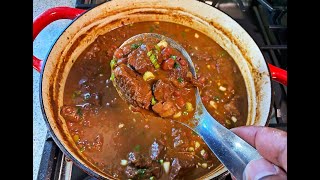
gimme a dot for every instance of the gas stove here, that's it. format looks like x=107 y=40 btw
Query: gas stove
x=264 y=20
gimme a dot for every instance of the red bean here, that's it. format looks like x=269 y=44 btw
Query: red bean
x=166 y=52
x=183 y=62
x=167 y=64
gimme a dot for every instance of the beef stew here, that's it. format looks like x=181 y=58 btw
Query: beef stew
x=128 y=145
x=152 y=75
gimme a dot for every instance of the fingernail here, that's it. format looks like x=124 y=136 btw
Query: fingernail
x=264 y=174
x=259 y=169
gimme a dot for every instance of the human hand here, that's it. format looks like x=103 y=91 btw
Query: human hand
x=271 y=143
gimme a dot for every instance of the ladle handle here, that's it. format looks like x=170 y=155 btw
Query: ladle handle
x=231 y=150
x=47 y=17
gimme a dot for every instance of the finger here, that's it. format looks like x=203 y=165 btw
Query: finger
x=271 y=143
x=263 y=169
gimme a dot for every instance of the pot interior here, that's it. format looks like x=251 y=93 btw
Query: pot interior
x=108 y=16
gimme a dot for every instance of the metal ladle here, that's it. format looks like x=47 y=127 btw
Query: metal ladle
x=230 y=149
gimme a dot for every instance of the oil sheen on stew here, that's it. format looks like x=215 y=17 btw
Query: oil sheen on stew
x=129 y=145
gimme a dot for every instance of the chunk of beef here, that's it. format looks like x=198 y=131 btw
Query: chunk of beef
x=155 y=150
x=139 y=160
x=164 y=109
x=136 y=91
x=141 y=167
x=180 y=167
x=163 y=90
x=139 y=60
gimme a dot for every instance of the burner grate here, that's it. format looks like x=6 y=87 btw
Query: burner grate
x=273 y=25
x=87 y=4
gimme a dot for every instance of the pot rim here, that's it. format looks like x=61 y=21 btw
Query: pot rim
x=65 y=150
x=53 y=135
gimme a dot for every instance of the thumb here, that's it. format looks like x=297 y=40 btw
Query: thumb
x=263 y=169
